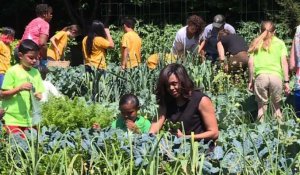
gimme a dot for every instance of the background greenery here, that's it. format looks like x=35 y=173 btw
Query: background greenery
x=66 y=144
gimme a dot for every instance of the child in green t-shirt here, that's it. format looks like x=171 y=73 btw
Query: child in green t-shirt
x=21 y=82
x=129 y=119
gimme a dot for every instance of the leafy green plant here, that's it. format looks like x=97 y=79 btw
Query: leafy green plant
x=65 y=113
x=67 y=50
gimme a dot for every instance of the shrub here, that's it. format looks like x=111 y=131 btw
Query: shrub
x=71 y=114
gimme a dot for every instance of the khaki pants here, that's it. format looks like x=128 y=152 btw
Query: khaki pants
x=267 y=85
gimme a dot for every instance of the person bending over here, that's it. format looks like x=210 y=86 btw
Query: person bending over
x=180 y=101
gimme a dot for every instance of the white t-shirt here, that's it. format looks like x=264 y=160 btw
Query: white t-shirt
x=50 y=89
x=182 y=43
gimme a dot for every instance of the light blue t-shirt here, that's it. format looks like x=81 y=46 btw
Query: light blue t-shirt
x=210 y=36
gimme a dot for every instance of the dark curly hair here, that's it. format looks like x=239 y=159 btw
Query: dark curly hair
x=129 y=22
x=198 y=22
x=42 y=9
x=163 y=97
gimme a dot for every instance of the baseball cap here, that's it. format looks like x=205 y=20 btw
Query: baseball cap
x=219 y=20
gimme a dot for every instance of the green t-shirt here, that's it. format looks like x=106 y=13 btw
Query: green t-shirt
x=269 y=62
x=18 y=107
x=141 y=122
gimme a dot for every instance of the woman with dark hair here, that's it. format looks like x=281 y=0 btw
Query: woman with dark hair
x=179 y=101
x=95 y=44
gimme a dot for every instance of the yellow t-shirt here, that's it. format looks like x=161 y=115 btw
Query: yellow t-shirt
x=97 y=57
x=5 y=56
x=154 y=59
x=133 y=43
x=61 y=40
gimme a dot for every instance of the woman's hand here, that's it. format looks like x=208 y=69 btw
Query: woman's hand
x=287 y=89
x=96 y=126
x=179 y=133
x=250 y=86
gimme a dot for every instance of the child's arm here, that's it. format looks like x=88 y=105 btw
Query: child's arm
x=52 y=40
x=109 y=38
x=11 y=92
x=43 y=45
x=124 y=57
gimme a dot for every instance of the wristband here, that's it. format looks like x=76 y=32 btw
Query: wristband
x=286 y=81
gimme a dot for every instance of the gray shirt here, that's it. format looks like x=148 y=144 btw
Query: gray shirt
x=210 y=35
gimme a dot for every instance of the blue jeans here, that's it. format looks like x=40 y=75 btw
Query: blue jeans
x=212 y=57
x=297 y=102
x=1 y=79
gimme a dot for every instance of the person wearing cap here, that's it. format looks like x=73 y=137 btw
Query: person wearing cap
x=187 y=38
x=209 y=37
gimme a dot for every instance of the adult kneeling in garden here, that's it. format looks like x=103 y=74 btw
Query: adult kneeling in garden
x=236 y=48
x=179 y=101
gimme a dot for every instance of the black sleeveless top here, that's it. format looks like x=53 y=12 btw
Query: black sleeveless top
x=188 y=113
x=234 y=43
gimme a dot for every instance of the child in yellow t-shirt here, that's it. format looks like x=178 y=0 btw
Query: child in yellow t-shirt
x=59 y=42
x=130 y=45
x=94 y=46
x=6 y=38
x=154 y=59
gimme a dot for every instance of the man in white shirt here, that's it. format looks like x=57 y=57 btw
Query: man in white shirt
x=187 y=38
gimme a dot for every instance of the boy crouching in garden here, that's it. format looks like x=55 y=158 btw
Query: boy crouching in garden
x=20 y=82
x=129 y=118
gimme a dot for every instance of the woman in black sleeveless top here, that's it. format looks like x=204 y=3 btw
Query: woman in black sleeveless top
x=180 y=102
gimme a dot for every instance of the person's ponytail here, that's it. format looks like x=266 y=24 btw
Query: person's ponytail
x=264 y=39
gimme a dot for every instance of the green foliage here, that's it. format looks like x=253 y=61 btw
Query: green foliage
x=171 y=127
x=13 y=45
x=71 y=114
x=154 y=40
x=243 y=147
x=67 y=50
x=250 y=30
x=289 y=13
x=246 y=148
x=69 y=81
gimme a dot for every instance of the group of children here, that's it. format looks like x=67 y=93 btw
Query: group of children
x=98 y=39
x=22 y=82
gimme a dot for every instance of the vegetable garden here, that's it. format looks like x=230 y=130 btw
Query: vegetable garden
x=66 y=143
